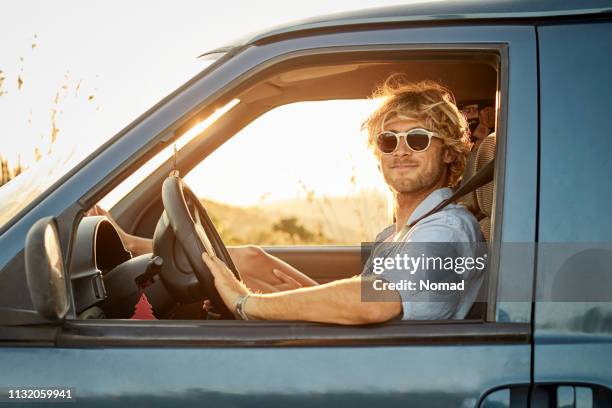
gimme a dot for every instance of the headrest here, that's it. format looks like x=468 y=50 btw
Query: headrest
x=484 y=194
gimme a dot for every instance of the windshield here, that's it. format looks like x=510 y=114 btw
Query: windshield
x=18 y=193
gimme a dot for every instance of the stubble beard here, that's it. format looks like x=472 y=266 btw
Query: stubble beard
x=416 y=183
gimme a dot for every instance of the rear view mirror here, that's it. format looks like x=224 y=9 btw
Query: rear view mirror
x=45 y=271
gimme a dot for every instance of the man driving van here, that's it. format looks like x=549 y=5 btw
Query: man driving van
x=421 y=143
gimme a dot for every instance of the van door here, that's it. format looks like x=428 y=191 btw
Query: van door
x=573 y=311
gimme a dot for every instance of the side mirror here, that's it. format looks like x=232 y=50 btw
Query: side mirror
x=45 y=271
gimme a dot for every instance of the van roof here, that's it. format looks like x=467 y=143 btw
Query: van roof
x=431 y=11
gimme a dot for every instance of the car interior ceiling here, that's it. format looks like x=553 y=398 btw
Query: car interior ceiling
x=469 y=79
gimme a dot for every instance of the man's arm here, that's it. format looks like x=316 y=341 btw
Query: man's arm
x=336 y=302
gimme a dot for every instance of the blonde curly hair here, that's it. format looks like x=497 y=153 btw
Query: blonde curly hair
x=430 y=103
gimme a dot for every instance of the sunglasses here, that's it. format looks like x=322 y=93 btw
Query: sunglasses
x=417 y=140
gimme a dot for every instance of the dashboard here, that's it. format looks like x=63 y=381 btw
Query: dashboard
x=107 y=280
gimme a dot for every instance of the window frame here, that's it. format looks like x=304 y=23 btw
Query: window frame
x=277 y=333
x=234 y=333
x=201 y=149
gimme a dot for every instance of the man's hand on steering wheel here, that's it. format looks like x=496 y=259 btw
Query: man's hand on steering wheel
x=230 y=289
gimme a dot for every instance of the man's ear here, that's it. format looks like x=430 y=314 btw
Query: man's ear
x=448 y=155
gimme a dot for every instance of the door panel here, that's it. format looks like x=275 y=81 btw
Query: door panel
x=322 y=263
x=270 y=377
x=573 y=313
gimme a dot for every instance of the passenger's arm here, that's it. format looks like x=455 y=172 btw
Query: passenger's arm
x=136 y=245
x=261 y=271
x=256 y=265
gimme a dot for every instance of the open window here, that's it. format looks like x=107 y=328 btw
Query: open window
x=300 y=173
x=287 y=167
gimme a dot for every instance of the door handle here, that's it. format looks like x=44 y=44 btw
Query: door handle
x=571 y=396
x=548 y=396
x=574 y=397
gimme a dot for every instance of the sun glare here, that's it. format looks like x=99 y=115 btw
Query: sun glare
x=139 y=175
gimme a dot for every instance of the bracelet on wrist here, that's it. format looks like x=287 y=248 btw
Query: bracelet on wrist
x=240 y=307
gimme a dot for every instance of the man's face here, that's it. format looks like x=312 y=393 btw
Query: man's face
x=406 y=171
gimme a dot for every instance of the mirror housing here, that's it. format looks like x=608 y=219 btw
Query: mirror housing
x=45 y=273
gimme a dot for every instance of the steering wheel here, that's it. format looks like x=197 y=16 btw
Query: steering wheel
x=196 y=233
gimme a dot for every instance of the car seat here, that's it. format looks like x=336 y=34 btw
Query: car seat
x=480 y=202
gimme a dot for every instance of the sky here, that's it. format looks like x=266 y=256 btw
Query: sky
x=328 y=156
x=87 y=69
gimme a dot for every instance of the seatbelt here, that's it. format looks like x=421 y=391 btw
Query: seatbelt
x=482 y=177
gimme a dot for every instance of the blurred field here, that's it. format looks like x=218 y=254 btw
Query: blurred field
x=323 y=220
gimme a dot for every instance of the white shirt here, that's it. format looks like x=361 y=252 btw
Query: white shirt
x=452 y=232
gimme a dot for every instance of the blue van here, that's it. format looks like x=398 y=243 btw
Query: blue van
x=540 y=337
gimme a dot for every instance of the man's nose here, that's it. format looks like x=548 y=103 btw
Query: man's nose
x=402 y=148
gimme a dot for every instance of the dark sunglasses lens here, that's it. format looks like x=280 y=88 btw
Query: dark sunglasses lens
x=387 y=142
x=418 y=141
